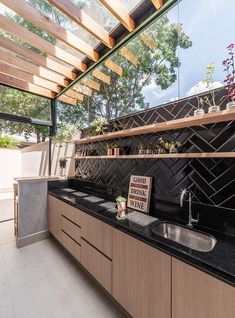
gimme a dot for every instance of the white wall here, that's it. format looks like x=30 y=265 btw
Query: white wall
x=34 y=161
x=10 y=167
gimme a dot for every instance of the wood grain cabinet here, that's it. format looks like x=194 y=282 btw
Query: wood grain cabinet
x=97 y=264
x=73 y=247
x=141 y=278
x=198 y=295
x=54 y=217
x=97 y=233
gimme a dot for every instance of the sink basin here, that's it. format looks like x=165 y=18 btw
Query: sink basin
x=195 y=240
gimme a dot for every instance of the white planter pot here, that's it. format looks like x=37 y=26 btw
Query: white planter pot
x=213 y=109
x=230 y=105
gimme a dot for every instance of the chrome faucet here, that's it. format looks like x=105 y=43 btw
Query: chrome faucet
x=191 y=220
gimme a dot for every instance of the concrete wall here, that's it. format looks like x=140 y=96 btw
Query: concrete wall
x=34 y=160
x=10 y=167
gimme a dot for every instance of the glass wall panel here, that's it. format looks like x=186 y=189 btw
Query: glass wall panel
x=13 y=101
x=163 y=63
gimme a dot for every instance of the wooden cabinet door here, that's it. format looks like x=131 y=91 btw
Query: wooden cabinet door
x=98 y=233
x=198 y=295
x=54 y=217
x=97 y=264
x=141 y=277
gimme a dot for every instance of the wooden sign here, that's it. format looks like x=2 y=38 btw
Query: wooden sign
x=139 y=193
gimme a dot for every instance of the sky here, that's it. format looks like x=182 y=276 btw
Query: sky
x=210 y=27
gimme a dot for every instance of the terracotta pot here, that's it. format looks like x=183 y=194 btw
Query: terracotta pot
x=109 y=152
x=117 y=151
x=121 y=210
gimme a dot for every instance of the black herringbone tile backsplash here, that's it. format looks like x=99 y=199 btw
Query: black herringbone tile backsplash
x=211 y=180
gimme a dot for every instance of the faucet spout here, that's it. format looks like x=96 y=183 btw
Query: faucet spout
x=191 y=220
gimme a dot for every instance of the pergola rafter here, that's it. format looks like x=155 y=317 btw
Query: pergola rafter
x=49 y=73
x=29 y=13
x=36 y=41
x=86 y=22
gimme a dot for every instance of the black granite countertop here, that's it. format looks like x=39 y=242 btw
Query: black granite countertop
x=220 y=262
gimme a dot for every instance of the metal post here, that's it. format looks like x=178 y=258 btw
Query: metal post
x=52 y=131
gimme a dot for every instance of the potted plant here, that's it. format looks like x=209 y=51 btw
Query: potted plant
x=117 y=150
x=141 y=148
x=161 y=146
x=121 y=206
x=230 y=78
x=97 y=126
x=150 y=149
x=106 y=128
x=199 y=111
x=110 y=148
x=62 y=162
x=209 y=84
x=174 y=146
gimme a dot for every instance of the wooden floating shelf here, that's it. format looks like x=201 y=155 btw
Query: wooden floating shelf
x=169 y=155
x=224 y=115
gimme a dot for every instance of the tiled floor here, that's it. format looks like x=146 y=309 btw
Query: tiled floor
x=41 y=281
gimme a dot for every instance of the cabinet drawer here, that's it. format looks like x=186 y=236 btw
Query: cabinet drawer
x=71 y=246
x=97 y=264
x=77 y=216
x=67 y=210
x=71 y=229
x=97 y=233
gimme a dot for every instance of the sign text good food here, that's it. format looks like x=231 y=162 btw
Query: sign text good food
x=139 y=193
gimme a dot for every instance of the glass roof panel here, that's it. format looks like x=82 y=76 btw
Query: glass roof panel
x=130 y=4
x=97 y=12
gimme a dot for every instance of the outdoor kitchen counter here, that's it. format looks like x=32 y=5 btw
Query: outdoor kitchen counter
x=220 y=262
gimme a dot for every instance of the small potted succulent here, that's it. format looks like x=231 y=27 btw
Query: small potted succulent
x=110 y=148
x=141 y=148
x=117 y=150
x=121 y=206
x=174 y=146
x=209 y=84
x=161 y=146
x=200 y=110
x=230 y=77
x=150 y=149
x=63 y=161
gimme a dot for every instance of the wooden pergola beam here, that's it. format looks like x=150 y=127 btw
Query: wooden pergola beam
x=148 y=41
x=26 y=77
x=120 y=12
x=36 y=58
x=36 y=41
x=93 y=84
x=101 y=76
x=83 y=89
x=28 y=87
x=68 y=100
x=128 y=55
x=75 y=95
x=158 y=3
x=84 y=20
x=28 y=12
x=12 y=59
x=113 y=67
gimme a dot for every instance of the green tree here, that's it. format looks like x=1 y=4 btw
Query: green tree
x=124 y=95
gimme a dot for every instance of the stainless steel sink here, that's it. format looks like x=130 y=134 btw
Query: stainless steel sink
x=195 y=240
